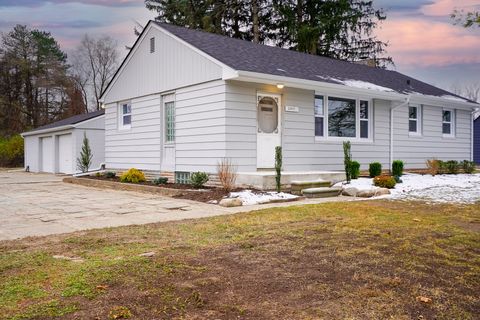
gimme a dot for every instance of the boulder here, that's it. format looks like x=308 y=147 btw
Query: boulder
x=350 y=191
x=382 y=191
x=368 y=193
x=230 y=202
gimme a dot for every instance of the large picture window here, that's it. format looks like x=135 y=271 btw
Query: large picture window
x=338 y=117
x=341 y=117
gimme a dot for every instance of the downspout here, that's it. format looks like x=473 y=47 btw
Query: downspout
x=407 y=101
x=472 y=128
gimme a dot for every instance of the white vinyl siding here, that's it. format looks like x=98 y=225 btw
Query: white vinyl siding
x=173 y=65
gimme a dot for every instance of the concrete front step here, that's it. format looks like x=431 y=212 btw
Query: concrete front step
x=298 y=186
x=322 y=192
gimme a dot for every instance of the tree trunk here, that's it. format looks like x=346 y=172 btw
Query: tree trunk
x=256 y=27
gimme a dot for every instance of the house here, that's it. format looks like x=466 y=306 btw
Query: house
x=55 y=147
x=184 y=99
x=476 y=140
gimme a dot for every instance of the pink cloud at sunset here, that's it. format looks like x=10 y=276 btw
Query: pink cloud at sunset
x=445 y=7
x=421 y=42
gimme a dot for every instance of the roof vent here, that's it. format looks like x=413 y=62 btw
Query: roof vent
x=408 y=82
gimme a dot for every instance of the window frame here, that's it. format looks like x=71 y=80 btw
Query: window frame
x=122 y=115
x=152 y=45
x=418 y=120
x=451 y=122
x=327 y=138
x=169 y=121
x=318 y=96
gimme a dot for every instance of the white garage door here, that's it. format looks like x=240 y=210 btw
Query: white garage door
x=47 y=154
x=65 y=154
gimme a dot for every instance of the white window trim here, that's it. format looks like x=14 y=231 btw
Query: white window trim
x=319 y=116
x=356 y=139
x=417 y=133
x=452 y=123
x=122 y=126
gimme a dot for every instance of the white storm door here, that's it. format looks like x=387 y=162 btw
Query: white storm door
x=268 y=129
x=47 y=154
x=65 y=154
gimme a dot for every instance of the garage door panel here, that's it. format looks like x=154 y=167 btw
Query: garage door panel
x=65 y=154
x=47 y=154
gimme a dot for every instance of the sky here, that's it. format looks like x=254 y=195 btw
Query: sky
x=422 y=39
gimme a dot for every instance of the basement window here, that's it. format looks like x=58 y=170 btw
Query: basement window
x=182 y=177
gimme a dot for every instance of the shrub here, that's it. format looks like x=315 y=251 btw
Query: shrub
x=397 y=168
x=442 y=166
x=198 y=179
x=347 y=159
x=278 y=168
x=468 y=166
x=375 y=169
x=354 y=169
x=160 y=180
x=227 y=174
x=133 y=176
x=110 y=174
x=451 y=166
x=433 y=166
x=11 y=151
x=384 y=182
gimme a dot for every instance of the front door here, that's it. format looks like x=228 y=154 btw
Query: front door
x=268 y=129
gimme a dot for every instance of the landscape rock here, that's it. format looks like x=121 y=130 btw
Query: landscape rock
x=366 y=193
x=213 y=202
x=350 y=191
x=382 y=191
x=231 y=202
x=73 y=259
x=147 y=254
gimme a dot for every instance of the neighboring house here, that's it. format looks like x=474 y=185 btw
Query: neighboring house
x=476 y=140
x=183 y=99
x=55 y=147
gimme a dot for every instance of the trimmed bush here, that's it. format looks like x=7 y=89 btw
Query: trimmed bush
x=468 y=166
x=11 y=151
x=110 y=174
x=278 y=168
x=354 y=169
x=451 y=166
x=133 y=176
x=397 y=168
x=198 y=179
x=347 y=159
x=160 y=180
x=375 y=169
x=384 y=182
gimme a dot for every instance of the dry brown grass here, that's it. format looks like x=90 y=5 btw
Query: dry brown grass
x=433 y=166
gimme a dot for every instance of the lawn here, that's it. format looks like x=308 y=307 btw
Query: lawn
x=355 y=260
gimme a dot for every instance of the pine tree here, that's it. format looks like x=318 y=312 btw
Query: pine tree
x=85 y=159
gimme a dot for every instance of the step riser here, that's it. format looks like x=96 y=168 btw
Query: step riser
x=297 y=188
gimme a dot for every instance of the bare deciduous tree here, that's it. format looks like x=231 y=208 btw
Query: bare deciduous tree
x=94 y=63
x=470 y=90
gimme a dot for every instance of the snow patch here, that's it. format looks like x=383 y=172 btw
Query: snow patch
x=453 y=98
x=248 y=197
x=364 y=85
x=459 y=188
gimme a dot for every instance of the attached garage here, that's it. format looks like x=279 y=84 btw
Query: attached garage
x=55 y=147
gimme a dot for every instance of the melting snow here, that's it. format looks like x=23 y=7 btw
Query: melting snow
x=453 y=98
x=460 y=188
x=249 y=197
x=364 y=85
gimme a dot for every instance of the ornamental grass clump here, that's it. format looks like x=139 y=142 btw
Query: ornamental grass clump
x=133 y=176
x=433 y=166
x=384 y=182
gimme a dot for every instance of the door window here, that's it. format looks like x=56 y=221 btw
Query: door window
x=267 y=115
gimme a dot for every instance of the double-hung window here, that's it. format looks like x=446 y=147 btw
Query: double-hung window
x=125 y=111
x=414 y=120
x=169 y=122
x=448 y=123
x=338 y=117
x=319 y=116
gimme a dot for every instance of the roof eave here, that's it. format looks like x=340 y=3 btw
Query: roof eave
x=48 y=130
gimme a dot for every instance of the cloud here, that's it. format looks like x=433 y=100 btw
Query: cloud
x=446 y=7
x=422 y=42
x=401 y=5
x=39 y=3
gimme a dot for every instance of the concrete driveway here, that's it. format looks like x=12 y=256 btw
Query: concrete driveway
x=41 y=204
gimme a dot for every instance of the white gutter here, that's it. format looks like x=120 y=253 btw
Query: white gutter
x=35 y=132
x=407 y=101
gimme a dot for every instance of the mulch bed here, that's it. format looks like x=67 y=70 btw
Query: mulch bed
x=204 y=194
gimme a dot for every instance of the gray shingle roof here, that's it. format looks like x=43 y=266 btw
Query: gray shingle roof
x=247 y=56
x=70 y=121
